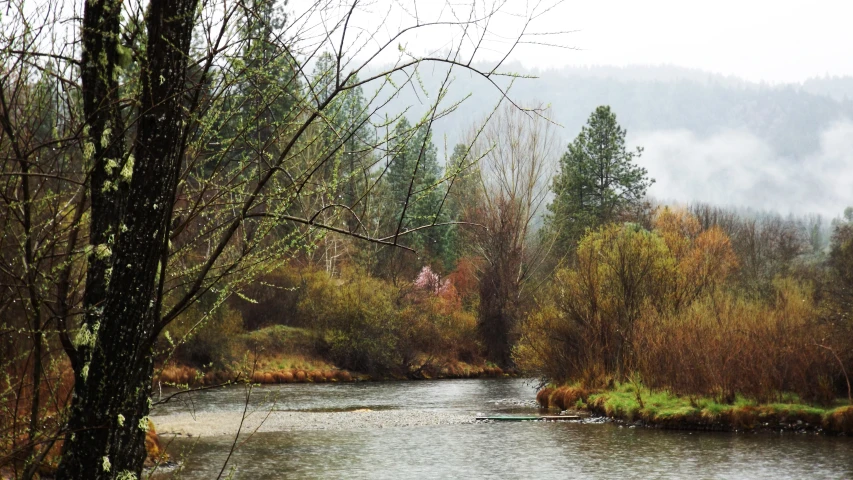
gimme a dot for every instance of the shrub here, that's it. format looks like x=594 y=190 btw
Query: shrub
x=204 y=341
x=361 y=325
x=543 y=397
x=658 y=304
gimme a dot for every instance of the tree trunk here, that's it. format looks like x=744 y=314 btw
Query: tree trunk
x=113 y=368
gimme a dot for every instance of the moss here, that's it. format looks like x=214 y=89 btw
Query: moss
x=631 y=402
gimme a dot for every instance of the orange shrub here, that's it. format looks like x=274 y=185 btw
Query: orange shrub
x=659 y=304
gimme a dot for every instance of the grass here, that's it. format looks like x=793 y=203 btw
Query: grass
x=285 y=354
x=278 y=339
x=281 y=347
x=631 y=401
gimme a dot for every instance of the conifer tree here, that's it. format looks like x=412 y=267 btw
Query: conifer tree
x=598 y=179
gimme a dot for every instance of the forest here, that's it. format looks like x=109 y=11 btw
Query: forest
x=202 y=194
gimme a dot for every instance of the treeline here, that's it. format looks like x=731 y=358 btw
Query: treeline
x=196 y=176
x=699 y=300
x=423 y=327
x=446 y=295
x=601 y=286
x=687 y=309
x=789 y=117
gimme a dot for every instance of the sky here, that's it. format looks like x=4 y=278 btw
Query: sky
x=783 y=41
x=779 y=41
x=773 y=42
x=758 y=40
x=738 y=169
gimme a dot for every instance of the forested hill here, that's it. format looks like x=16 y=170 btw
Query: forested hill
x=782 y=144
x=788 y=117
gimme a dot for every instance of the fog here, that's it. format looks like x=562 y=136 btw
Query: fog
x=745 y=104
x=736 y=168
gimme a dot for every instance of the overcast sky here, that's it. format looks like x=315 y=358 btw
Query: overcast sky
x=758 y=40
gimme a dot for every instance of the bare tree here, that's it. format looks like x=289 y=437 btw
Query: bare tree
x=518 y=151
x=176 y=170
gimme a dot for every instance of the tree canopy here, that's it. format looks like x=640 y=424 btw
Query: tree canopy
x=598 y=179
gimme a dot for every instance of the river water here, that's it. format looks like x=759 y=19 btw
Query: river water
x=378 y=450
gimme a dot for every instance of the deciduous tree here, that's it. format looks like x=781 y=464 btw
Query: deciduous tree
x=179 y=175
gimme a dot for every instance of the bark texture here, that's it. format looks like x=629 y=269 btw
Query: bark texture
x=131 y=211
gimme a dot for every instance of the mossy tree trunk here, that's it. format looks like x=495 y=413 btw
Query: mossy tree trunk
x=132 y=203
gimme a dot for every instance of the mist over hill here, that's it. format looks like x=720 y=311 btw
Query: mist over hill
x=707 y=137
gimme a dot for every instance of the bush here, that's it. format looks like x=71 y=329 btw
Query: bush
x=204 y=341
x=280 y=339
x=362 y=327
x=723 y=345
x=660 y=304
x=275 y=298
x=373 y=327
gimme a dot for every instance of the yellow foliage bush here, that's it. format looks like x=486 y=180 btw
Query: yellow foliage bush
x=658 y=303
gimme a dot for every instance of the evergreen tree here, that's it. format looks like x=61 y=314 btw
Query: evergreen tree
x=264 y=91
x=348 y=133
x=598 y=180
x=464 y=192
x=413 y=190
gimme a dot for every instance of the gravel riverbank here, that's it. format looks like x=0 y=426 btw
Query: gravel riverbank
x=226 y=423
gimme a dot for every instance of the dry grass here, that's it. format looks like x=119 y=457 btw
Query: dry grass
x=153 y=447
x=840 y=420
x=178 y=375
x=543 y=397
x=566 y=397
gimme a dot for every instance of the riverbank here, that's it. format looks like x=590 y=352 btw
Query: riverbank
x=271 y=373
x=634 y=404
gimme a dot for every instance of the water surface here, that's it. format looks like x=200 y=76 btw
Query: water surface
x=485 y=450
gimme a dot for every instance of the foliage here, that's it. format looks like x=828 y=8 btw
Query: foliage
x=414 y=192
x=372 y=328
x=660 y=304
x=165 y=154
x=361 y=323
x=722 y=345
x=205 y=336
x=598 y=179
x=766 y=245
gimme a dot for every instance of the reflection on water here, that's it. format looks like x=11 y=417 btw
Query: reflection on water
x=494 y=450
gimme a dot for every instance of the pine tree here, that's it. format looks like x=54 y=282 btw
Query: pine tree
x=598 y=180
x=412 y=188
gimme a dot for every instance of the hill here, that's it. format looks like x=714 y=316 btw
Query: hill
x=707 y=137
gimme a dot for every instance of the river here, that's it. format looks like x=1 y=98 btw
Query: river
x=424 y=429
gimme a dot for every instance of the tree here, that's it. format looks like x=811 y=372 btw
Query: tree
x=414 y=191
x=163 y=193
x=622 y=275
x=598 y=180
x=463 y=191
x=516 y=149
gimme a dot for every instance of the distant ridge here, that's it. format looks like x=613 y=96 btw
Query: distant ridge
x=707 y=137
x=789 y=117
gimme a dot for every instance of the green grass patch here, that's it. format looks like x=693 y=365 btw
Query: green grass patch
x=631 y=401
x=280 y=339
